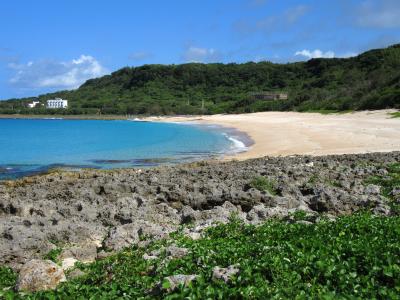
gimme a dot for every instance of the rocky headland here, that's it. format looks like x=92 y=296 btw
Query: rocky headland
x=90 y=213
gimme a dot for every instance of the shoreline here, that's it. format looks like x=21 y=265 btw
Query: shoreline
x=241 y=140
x=294 y=133
x=284 y=133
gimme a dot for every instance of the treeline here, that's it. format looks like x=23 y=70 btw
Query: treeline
x=368 y=81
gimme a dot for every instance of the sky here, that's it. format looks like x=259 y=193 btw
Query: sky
x=50 y=45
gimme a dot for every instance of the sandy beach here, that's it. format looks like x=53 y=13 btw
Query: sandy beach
x=289 y=133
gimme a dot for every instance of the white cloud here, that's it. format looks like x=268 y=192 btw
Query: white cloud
x=315 y=54
x=197 y=54
x=56 y=74
x=379 y=14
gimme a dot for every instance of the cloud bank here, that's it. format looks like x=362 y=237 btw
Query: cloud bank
x=198 y=54
x=56 y=74
x=315 y=54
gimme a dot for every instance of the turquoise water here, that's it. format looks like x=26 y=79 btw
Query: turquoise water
x=29 y=146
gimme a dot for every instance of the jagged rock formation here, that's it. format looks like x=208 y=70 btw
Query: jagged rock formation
x=90 y=211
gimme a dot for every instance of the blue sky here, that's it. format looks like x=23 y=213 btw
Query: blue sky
x=52 y=45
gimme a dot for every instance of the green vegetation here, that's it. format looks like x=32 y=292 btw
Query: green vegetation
x=263 y=184
x=368 y=81
x=355 y=257
x=396 y=114
x=329 y=111
x=7 y=278
x=53 y=255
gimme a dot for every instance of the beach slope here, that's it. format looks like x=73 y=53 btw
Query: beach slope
x=289 y=133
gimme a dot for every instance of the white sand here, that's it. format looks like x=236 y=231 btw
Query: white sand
x=288 y=133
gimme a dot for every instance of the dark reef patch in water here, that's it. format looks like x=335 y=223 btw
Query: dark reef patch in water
x=15 y=171
x=179 y=157
x=110 y=161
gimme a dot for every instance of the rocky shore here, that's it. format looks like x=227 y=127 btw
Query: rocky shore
x=90 y=213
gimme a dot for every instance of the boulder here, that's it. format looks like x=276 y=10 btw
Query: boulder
x=396 y=194
x=84 y=253
x=395 y=191
x=129 y=234
x=68 y=263
x=324 y=200
x=382 y=209
x=225 y=274
x=176 y=252
x=122 y=236
x=171 y=283
x=149 y=257
x=189 y=215
x=37 y=275
x=372 y=189
x=287 y=202
x=260 y=213
x=304 y=222
x=193 y=235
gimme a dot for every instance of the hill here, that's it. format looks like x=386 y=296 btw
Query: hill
x=369 y=81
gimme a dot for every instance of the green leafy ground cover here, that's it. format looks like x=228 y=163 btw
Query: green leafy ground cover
x=396 y=114
x=356 y=257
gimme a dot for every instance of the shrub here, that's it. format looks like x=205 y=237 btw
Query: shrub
x=263 y=184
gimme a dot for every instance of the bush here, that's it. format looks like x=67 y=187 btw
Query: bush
x=263 y=184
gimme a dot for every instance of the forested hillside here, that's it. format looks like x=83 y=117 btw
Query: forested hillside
x=368 y=81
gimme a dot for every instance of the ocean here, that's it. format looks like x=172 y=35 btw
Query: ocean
x=31 y=146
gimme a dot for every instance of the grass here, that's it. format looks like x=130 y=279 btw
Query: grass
x=395 y=114
x=328 y=111
x=356 y=257
x=53 y=255
x=263 y=184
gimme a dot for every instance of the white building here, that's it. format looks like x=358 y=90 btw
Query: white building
x=57 y=103
x=33 y=104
